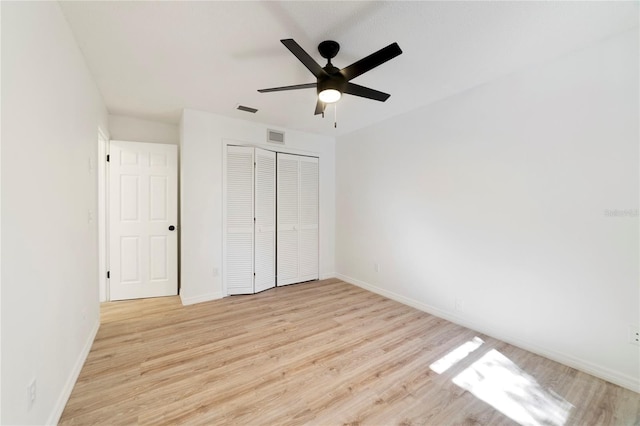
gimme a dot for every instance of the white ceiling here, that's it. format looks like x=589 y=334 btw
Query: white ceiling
x=152 y=59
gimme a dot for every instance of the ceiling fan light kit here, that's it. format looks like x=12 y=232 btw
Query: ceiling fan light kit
x=331 y=82
x=329 y=96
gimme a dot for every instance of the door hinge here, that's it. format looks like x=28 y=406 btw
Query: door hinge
x=108 y=274
x=107 y=157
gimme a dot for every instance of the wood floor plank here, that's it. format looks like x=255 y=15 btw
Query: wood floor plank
x=322 y=353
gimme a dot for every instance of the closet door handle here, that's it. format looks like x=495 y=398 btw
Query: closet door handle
x=171 y=228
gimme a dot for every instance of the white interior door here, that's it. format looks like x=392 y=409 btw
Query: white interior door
x=265 y=220
x=143 y=206
x=297 y=230
x=239 y=256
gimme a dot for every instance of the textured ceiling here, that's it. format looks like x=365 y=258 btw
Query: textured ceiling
x=152 y=59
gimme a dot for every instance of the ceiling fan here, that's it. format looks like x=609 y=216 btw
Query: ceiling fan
x=331 y=82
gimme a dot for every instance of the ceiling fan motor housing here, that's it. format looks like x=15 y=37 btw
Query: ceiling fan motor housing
x=332 y=81
x=333 y=78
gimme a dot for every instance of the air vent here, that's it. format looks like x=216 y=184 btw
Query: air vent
x=275 y=136
x=246 y=109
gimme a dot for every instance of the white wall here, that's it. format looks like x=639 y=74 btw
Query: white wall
x=124 y=128
x=497 y=198
x=51 y=112
x=202 y=136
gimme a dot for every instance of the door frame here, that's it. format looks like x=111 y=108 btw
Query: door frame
x=103 y=215
x=267 y=147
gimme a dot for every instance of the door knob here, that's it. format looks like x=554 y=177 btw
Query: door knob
x=171 y=228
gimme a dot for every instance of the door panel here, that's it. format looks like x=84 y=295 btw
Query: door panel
x=287 y=191
x=308 y=234
x=309 y=193
x=287 y=256
x=308 y=255
x=129 y=260
x=239 y=246
x=265 y=214
x=158 y=192
x=297 y=233
x=288 y=210
x=143 y=195
x=158 y=248
x=239 y=265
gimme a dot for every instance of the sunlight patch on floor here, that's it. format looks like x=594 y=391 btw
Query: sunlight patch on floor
x=456 y=355
x=496 y=380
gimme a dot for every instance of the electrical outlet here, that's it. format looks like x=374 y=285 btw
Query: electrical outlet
x=215 y=272
x=460 y=305
x=31 y=394
x=376 y=267
x=634 y=335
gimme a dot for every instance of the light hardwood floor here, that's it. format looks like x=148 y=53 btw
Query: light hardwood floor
x=322 y=353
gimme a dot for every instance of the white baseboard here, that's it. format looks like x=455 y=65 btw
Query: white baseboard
x=615 y=377
x=191 y=300
x=54 y=418
x=327 y=275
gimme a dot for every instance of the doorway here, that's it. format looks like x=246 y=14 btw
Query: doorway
x=141 y=214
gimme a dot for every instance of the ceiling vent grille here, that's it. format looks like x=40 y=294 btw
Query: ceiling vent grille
x=275 y=136
x=246 y=109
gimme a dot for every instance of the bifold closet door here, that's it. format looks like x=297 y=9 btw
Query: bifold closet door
x=297 y=207
x=250 y=220
x=239 y=217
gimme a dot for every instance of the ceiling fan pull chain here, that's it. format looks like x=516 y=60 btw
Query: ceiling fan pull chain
x=335 y=116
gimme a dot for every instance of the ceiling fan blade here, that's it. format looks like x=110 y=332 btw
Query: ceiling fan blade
x=320 y=106
x=371 y=61
x=294 y=87
x=304 y=57
x=365 y=92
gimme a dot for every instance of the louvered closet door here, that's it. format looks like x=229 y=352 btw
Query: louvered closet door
x=297 y=205
x=239 y=217
x=265 y=214
x=308 y=235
